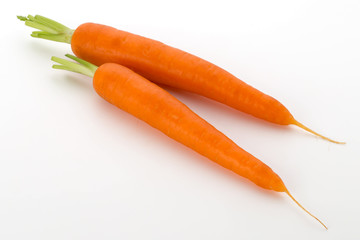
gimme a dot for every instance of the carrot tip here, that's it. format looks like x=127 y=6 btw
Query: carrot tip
x=315 y=133
x=288 y=193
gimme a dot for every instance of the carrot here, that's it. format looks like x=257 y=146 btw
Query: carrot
x=163 y=64
x=147 y=101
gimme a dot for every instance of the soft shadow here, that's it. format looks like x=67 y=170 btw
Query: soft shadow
x=79 y=81
x=46 y=49
x=73 y=80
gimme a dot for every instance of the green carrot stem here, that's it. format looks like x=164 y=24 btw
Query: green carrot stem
x=51 y=23
x=90 y=66
x=80 y=66
x=49 y=29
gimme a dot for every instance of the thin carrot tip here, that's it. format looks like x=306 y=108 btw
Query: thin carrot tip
x=288 y=193
x=295 y=122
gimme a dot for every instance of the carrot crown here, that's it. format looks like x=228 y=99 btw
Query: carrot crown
x=49 y=29
x=80 y=66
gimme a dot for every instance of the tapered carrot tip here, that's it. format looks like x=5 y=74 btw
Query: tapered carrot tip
x=287 y=192
x=315 y=133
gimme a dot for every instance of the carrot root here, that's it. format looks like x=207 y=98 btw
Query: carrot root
x=288 y=193
x=315 y=133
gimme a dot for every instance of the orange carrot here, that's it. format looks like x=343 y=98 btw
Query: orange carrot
x=163 y=64
x=145 y=100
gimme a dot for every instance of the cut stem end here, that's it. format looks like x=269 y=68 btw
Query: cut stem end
x=315 y=133
x=79 y=66
x=49 y=29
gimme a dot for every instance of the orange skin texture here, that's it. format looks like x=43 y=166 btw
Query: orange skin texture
x=163 y=64
x=147 y=101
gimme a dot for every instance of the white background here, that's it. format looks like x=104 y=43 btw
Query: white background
x=74 y=167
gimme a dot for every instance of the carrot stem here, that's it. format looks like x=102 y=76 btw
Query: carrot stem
x=295 y=122
x=49 y=29
x=288 y=193
x=80 y=66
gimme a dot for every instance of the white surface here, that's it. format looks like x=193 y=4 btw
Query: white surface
x=74 y=167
